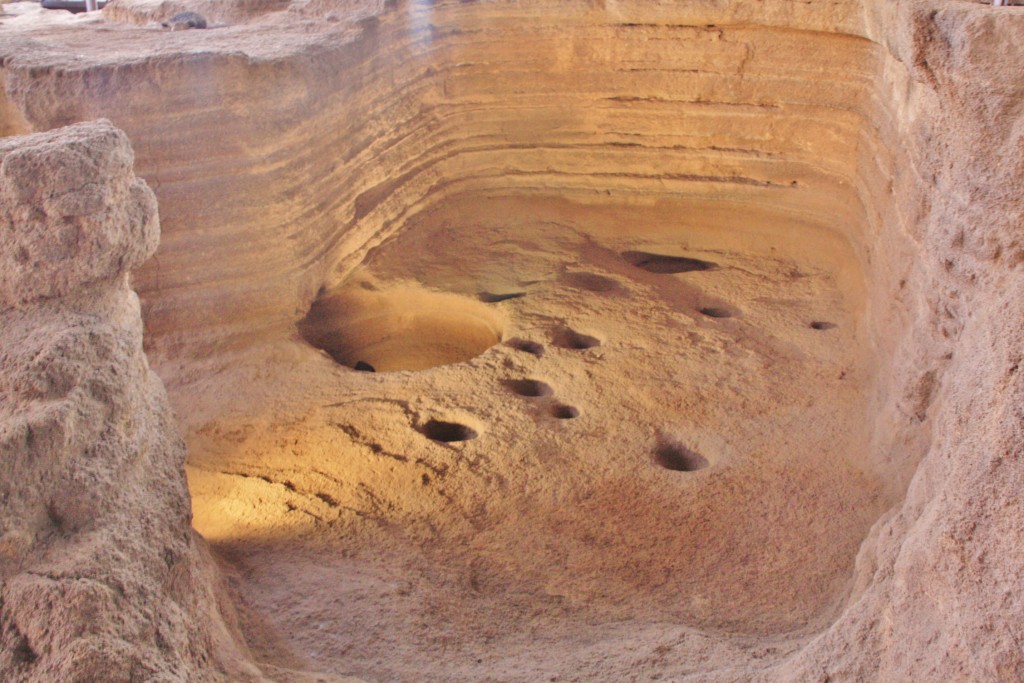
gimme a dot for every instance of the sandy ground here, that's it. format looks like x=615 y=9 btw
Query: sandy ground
x=646 y=454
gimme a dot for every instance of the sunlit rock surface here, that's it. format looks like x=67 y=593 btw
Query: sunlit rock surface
x=756 y=409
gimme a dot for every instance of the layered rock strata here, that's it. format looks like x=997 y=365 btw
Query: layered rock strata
x=897 y=124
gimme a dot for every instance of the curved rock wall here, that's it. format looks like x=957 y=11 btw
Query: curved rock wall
x=101 y=577
x=276 y=163
x=285 y=148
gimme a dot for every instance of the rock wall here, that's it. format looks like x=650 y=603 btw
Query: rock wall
x=937 y=165
x=101 y=576
x=428 y=100
x=284 y=148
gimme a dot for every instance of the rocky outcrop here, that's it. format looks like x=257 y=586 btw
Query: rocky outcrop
x=936 y=597
x=101 y=576
x=285 y=148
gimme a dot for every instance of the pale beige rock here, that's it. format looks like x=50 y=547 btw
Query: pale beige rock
x=101 y=578
x=852 y=162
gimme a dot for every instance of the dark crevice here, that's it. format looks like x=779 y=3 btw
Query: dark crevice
x=491 y=298
x=664 y=264
x=564 y=412
x=530 y=347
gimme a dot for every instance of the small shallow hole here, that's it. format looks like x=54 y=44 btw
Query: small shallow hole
x=526 y=346
x=492 y=298
x=823 y=325
x=664 y=264
x=591 y=282
x=564 y=412
x=571 y=339
x=717 y=312
x=530 y=388
x=438 y=430
x=679 y=458
x=363 y=366
x=328 y=499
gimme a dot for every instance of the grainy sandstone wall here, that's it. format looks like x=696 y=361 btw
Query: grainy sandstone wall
x=946 y=244
x=282 y=149
x=101 y=576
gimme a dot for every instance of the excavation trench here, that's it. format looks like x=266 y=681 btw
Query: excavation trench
x=621 y=268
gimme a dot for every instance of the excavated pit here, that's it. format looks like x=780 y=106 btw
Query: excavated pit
x=644 y=269
x=404 y=328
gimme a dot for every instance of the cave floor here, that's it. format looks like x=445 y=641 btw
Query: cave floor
x=666 y=467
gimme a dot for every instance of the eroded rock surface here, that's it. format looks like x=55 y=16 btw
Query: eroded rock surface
x=296 y=145
x=101 y=577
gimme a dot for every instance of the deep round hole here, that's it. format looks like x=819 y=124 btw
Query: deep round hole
x=530 y=388
x=526 y=346
x=823 y=325
x=717 y=312
x=492 y=298
x=571 y=339
x=664 y=264
x=564 y=412
x=404 y=328
x=679 y=458
x=590 y=282
x=438 y=430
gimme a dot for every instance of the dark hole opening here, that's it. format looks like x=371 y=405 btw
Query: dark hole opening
x=570 y=339
x=679 y=458
x=447 y=432
x=717 y=312
x=491 y=298
x=563 y=412
x=530 y=347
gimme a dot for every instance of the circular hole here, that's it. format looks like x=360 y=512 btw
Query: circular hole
x=823 y=325
x=663 y=264
x=527 y=346
x=679 y=458
x=564 y=412
x=530 y=388
x=405 y=328
x=438 y=430
x=571 y=339
x=717 y=312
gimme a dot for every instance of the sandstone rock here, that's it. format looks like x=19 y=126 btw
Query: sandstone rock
x=101 y=578
x=71 y=214
x=875 y=144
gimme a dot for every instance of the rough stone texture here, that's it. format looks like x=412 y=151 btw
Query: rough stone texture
x=74 y=213
x=101 y=577
x=898 y=122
